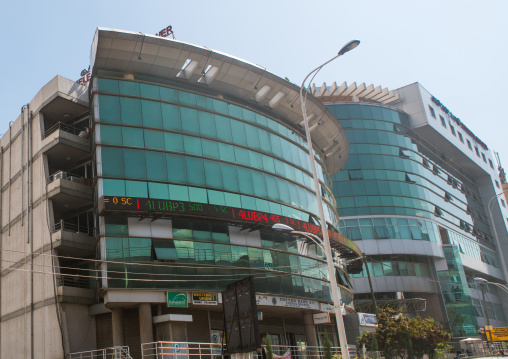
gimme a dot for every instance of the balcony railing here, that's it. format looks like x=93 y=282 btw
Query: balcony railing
x=108 y=353
x=69 y=177
x=67 y=128
x=188 y=350
x=75 y=281
x=73 y=228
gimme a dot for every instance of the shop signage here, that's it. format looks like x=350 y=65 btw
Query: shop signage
x=322 y=318
x=204 y=298
x=497 y=334
x=324 y=307
x=366 y=319
x=286 y=302
x=166 y=32
x=177 y=299
x=85 y=76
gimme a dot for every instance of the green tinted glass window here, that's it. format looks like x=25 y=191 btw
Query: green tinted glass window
x=177 y=171
x=152 y=114
x=210 y=148
x=133 y=137
x=131 y=111
x=156 y=166
x=213 y=174
x=245 y=181
x=158 y=190
x=129 y=88
x=149 y=91
x=112 y=162
x=107 y=85
x=192 y=145
x=196 y=171
x=171 y=119
x=113 y=187
x=207 y=124
x=190 y=122
x=109 y=109
x=154 y=139
x=223 y=126
x=136 y=189
x=173 y=142
x=226 y=152
x=111 y=135
x=230 y=177
x=168 y=94
x=136 y=164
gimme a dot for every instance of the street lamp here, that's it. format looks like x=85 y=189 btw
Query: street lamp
x=326 y=240
x=483 y=282
x=501 y=257
x=333 y=283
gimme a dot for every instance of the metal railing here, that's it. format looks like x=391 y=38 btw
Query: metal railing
x=71 y=227
x=75 y=281
x=107 y=353
x=64 y=127
x=188 y=350
x=69 y=177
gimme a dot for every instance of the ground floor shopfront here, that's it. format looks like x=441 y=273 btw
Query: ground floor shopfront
x=123 y=321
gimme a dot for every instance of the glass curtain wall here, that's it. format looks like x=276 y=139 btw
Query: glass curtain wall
x=159 y=142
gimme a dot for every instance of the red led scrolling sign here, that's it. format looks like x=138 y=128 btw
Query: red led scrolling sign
x=183 y=208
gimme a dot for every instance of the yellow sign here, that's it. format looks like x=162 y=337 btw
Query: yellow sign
x=204 y=298
x=498 y=334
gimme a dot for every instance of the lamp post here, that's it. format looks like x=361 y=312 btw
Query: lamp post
x=333 y=284
x=483 y=282
x=498 y=245
x=326 y=240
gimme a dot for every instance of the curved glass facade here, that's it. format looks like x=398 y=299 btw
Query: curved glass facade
x=163 y=143
x=387 y=175
x=394 y=187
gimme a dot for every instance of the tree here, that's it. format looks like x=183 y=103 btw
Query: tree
x=268 y=346
x=327 y=347
x=397 y=336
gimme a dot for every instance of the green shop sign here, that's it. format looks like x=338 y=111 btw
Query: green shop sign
x=177 y=299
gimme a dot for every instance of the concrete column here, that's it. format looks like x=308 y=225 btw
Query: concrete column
x=117 y=319
x=310 y=333
x=145 y=323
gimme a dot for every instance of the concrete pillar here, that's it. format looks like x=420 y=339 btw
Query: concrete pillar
x=145 y=323
x=310 y=334
x=117 y=319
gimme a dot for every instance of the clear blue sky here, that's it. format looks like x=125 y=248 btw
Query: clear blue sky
x=457 y=49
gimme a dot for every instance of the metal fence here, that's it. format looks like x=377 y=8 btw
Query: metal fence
x=188 y=350
x=71 y=227
x=64 y=127
x=69 y=177
x=107 y=353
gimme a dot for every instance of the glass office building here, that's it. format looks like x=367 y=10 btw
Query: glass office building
x=414 y=197
x=197 y=155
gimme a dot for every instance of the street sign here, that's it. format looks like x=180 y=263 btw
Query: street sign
x=177 y=299
x=497 y=334
x=321 y=318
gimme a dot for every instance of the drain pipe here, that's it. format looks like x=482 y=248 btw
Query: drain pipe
x=10 y=151
x=28 y=226
x=22 y=152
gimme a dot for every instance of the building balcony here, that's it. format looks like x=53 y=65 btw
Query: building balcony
x=73 y=240
x=69 y=191
x=65 y=144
